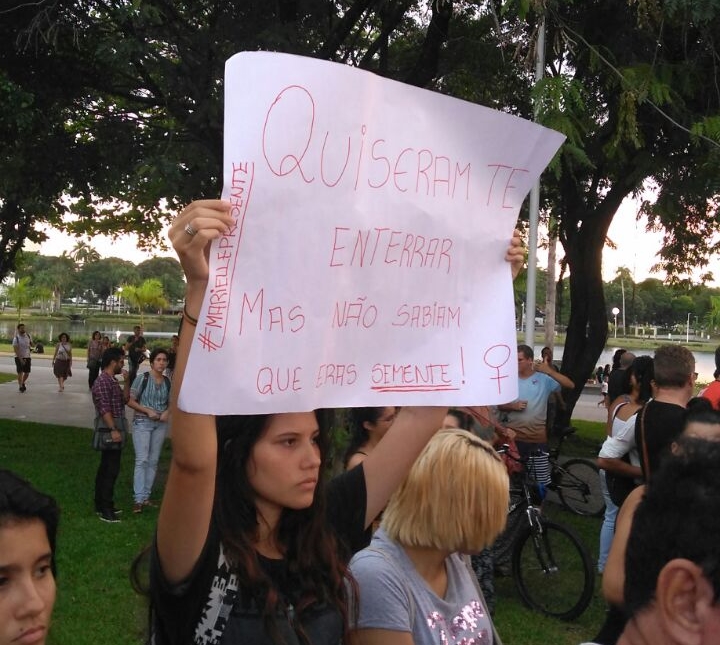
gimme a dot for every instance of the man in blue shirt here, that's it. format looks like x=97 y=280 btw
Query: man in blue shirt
x=527 y=415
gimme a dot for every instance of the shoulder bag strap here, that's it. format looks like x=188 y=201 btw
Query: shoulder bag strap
x=646 y=460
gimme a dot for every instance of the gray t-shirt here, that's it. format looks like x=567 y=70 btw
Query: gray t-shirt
x=395 y=597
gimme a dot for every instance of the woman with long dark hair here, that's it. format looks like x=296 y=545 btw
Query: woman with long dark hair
x=619 y=454
x=251 y=545
x=94 y=354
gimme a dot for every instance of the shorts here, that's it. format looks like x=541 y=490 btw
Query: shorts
x=22 y=365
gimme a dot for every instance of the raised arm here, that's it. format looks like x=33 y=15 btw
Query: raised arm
x=390 y=461
x=187 y=503
x=554 y=374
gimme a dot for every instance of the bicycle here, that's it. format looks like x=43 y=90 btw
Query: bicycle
x=551 y=568
x=576 y=481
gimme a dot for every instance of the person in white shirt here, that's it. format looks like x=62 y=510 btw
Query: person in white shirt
x=21 y=344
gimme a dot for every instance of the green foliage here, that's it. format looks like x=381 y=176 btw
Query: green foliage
x=21 y=295
x=168 y=271
x=147 y=295
x=95 y=602
x=103 y=277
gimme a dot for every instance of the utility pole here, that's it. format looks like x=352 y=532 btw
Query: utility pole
x=534 y=216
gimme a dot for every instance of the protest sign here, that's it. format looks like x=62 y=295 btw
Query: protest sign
x=366 y=263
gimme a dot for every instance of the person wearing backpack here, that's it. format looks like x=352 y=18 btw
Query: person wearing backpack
x=21 y=345
x=149 y=397
x=135 y=355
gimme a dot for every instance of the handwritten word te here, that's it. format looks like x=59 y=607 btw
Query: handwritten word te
x=504 y=175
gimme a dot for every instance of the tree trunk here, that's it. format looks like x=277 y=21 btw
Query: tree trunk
x=550 y=289
x=584 y=240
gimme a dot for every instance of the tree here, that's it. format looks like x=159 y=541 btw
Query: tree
x=82 y=252
x=101 y=279
x=148 y=294
x=21 y=295
x=168 y=271
x=55 y=273
x=628 y=84
x=713 y=316
x=126 y=97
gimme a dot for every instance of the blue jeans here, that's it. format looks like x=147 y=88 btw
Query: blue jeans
x=607 y=530
x=148 y=437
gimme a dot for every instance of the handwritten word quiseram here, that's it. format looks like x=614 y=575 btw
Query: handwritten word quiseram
x=355 y=159
x=361 y=248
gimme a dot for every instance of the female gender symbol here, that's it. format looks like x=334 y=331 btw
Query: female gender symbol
x=499 y=354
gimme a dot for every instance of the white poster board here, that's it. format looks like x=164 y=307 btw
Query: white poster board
x=366 y=265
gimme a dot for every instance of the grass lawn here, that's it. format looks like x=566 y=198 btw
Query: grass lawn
x=95 y=601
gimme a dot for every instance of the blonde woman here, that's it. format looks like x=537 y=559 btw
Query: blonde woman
x=414 y=586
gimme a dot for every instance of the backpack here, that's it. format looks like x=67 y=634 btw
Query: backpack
x=143 y=385
x=136 y=355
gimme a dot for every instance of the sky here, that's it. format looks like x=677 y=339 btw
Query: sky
x=636 y=248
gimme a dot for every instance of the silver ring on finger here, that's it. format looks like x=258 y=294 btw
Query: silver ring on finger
x=190 y=230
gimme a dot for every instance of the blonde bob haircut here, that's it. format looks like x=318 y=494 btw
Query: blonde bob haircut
x=455 y=497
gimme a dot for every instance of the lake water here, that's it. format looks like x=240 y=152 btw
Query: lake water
x=704 y=361
x=116 y=329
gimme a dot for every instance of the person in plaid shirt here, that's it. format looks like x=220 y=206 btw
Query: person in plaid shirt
x=110 y=407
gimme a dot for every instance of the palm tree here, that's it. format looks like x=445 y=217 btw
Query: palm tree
x=148 y=294
x=21 y=295
x=82 y=253
x=713 y=316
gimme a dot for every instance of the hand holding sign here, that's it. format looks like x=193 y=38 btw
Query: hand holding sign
x=365 y=244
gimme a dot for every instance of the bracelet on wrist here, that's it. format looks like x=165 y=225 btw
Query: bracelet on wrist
x=191 y=319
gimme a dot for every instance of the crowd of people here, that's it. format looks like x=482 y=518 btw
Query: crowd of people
x=273 y=551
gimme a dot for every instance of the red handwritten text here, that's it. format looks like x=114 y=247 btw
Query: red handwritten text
x=353 y=159
x=357 y=313
x=394 y=377
x=212 y=333
x=353 y=247
x=336 y=374
x=503 y=176
x=422 y=316
x=269 y=318
x=279 y=379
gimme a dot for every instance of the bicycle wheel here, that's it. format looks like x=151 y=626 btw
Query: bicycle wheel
x=578 y=486
x=553 y=571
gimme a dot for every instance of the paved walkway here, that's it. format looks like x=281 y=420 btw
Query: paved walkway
x=42 y=402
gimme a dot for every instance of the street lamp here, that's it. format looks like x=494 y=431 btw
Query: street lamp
x=687 y=330
x=119 y=299
x=615 y=312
